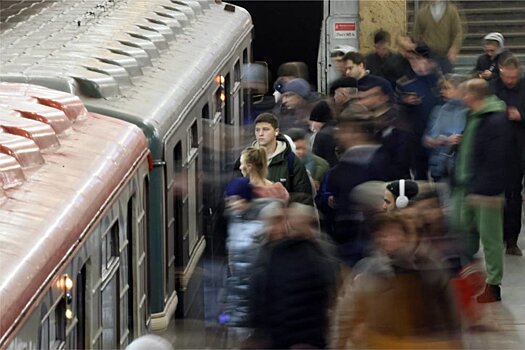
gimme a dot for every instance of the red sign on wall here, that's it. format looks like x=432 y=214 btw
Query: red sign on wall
x=345 y=30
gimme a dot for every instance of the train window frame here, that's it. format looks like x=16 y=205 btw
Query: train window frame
x=245 y=59
x=237 y=72
x=109 y=247
x=193 y=139
x=205 y=111
x=43 y=335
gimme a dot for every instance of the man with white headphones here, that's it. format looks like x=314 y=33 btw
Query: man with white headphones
x=398 y=194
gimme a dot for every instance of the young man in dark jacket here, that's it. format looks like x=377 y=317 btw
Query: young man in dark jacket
x=283 y=165
x=510 y=88
x=479 y=182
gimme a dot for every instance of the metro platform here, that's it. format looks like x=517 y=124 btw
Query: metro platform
x=505 y=319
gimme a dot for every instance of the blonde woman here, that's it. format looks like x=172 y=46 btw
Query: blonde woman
x=254 y=165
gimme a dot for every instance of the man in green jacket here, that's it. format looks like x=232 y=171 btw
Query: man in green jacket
x=283 y=165
x=479 y=182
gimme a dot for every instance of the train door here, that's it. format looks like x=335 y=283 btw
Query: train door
x=236 y=105
x=211 y=165
x=140 y=263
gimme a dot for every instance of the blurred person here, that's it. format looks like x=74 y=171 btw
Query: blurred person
x=286 y=72
x=445 y=127
x=418 y=97
x=510 y=88
x=322 y=124
x=398 y=64
x=292 y=287
x=283 y=165
x=396 y=141
x=315 y=165
x=245 y=236
x=148 y=342
x=479 y=182
x=254 y=165
x=298 y=100
x=398 y=194
x=343 y=91
x=487 y=64
x=360 y=162
x=439 y=25
x=336 y=56
x=376 y=59
x=355 y=68
x=398 y=297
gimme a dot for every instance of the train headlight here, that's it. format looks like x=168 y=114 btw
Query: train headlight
x=69 y=314
x=67 y=283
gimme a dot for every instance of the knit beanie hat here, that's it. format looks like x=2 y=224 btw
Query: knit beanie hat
x=239 y=187
x=344 y=82
x=321 y=113
x=299 y=87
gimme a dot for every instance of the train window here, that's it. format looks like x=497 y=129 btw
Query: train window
x=57 y=325
x=110 y=312
x=227 y=89
x=43 y=337
x=205 y=113
x=80 y=300
x=110 y=246
x=220 y=97
x=194 y=135
x=245 y=56
x=237 y=71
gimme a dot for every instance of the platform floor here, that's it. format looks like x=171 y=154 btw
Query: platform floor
x=507 y=318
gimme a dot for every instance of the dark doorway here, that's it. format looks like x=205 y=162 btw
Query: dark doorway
x=286 y=31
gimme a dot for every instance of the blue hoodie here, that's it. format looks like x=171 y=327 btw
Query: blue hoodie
x=445 y=120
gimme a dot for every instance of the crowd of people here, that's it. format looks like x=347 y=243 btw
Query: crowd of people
x=355 y=219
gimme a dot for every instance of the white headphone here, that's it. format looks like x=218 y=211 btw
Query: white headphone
x=402 y=199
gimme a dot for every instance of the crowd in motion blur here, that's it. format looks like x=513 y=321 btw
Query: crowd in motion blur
x=356 y=219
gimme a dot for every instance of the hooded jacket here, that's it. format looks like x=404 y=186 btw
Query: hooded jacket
x=482 y=155
x=294 y=178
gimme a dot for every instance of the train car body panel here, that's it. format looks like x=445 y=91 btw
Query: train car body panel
x=161 y=83
x=58 y=219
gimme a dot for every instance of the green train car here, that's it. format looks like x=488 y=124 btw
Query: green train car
x=174 y=69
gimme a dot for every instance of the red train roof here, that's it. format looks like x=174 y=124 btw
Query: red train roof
x=60 y=166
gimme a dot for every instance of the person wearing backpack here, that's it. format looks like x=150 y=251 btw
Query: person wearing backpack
x=283 y=165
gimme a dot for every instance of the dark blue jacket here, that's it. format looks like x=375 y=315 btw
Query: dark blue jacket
x=291 y=290
x=425 y=86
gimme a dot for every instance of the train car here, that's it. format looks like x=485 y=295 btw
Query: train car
x=73 y=224
x=172 y=67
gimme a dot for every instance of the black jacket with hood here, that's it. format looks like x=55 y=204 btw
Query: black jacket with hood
x=293 y=177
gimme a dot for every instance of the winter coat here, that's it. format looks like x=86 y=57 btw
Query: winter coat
x=397 y=146
x=445 y=120
x=316 y=166
x=425 y=86
x=324 y=144
x=515 y=98
x=294 y=178
x=482 y=157
x=357 y=165
x=291 y=291
x=484 y=62
x=391 y=303
x=245 y=237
